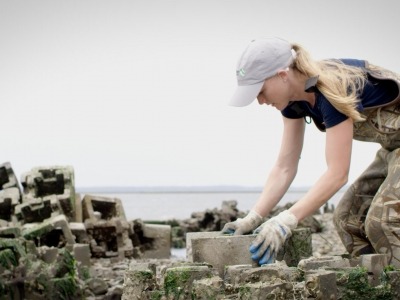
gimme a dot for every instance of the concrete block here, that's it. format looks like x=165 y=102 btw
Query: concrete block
x=394 y=281
x=35 y=210
x=226 y=250
x=10 y=232
x=7 y=177
x=82 y=254
x=197 y=235
x=321 y=284
x=242 y=274
x=9 y=198
x=79 y=231
x=297 y=247
x=51 y=182
x=41 y=231
x=222 y=250
x=332 y=262
x=375 y=264
x=139 y=280
x=208 y=288
x=266 y=290
x=48 y=255
x=161 y=241
x=78 y=208
x=105 y=207
x=178 y=281
x=109 y=238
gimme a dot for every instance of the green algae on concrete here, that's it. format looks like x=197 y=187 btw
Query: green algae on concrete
x=355 y=286
x=175 y=280
x=297 y=247
x=178 y=281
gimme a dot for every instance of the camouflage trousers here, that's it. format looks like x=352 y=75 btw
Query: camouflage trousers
x=368 y=216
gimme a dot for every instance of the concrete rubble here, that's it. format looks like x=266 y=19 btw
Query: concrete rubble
x=42 y=216
x=58 y=244
x=235 y=276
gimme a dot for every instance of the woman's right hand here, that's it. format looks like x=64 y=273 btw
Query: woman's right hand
x=243 y=225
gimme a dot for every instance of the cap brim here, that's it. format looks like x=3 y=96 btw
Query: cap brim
x=245 y=94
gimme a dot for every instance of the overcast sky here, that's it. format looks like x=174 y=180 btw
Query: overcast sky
x=134 y=93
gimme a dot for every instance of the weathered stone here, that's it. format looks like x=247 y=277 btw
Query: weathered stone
x=394 y=283
x=160 y=236
x=208 y=288
x=35 y=210
x=10 y=232
x=9 y=198
x=238 y=275
x=53 y=232
x=106 y=208
x=139 y=281
x=109 y=238
x=48 y=254
x=321 y=284
x=197 y=235
x=78 y=208
x=222 y=250
x=297 y=247
x=314 y=263
x=82 y=254
x=178 y=280
x=375 y=264
x=97 y=286
x=276 y=289
x=225 y=250
x=55 y=181
x=7 y=177
x=79 y=232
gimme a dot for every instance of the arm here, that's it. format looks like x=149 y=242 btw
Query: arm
x=285 y=168
x=338 y=155
x=273 y=233
x=278 y=181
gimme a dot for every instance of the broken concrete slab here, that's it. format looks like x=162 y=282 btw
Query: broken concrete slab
x=160 y=236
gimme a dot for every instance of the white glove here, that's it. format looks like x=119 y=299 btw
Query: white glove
x=243 y=226
x=271 y=236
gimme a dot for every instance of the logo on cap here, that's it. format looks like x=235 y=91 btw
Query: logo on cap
x=240 y=72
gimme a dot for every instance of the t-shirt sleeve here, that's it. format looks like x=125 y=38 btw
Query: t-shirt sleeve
x=330 y=114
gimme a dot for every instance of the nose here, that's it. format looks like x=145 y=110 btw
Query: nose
x=261 y=100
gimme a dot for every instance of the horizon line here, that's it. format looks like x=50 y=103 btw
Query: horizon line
x=181 y=189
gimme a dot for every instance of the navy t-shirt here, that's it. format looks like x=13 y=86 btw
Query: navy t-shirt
x=325 y=115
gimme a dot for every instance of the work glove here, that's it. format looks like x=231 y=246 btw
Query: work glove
x=271 y=236
x=243 y=225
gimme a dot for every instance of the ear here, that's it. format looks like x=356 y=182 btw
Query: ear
x=284 y=74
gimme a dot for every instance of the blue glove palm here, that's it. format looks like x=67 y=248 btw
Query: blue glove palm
x=271 y=237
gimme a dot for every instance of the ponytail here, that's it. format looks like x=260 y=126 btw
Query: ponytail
x=339 y=83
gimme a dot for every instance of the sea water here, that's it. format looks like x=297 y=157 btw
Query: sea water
x=180 y=205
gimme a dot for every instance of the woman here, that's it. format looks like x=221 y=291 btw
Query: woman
x=347 y=99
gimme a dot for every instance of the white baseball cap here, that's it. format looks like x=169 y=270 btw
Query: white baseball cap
x=262 y=59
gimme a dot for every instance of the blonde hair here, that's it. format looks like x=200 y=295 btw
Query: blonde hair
x=338 y=82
